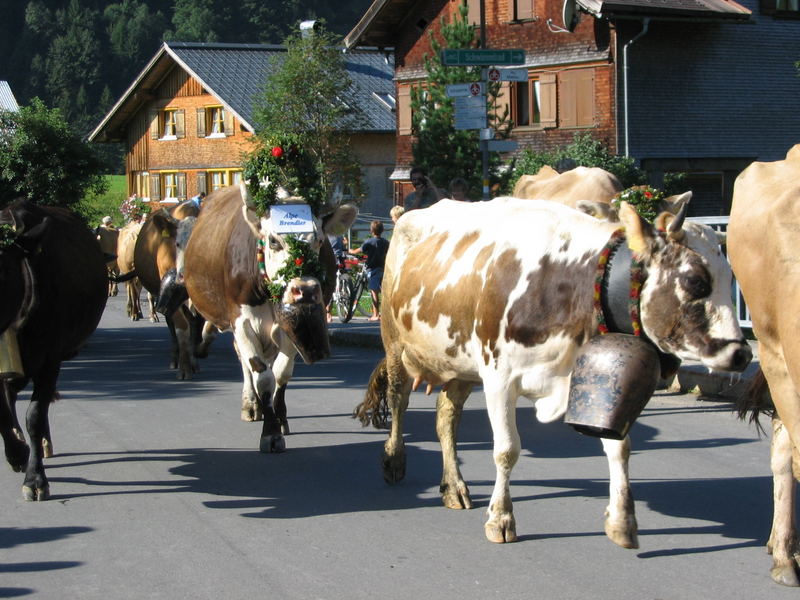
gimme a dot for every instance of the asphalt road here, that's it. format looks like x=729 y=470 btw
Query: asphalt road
x=159 y=491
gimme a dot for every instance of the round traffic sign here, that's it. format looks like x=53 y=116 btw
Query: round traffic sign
x=494 y=75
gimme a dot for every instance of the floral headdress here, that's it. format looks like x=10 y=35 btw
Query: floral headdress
x=645 y=199
x=301 y=262
x=283 y=163
x=8 y=235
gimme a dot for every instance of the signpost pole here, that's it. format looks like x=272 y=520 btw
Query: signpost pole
x=484 y=77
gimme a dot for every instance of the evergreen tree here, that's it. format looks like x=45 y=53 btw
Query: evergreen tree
x=307 y=98
x=201 y=21
x=442 y=150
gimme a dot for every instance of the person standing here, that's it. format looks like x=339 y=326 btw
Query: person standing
x=425 y=193
x=375 y=249
x=459 y=189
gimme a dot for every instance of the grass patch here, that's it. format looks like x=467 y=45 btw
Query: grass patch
x=96 y=206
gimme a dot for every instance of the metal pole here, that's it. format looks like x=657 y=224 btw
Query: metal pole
x=484 y=77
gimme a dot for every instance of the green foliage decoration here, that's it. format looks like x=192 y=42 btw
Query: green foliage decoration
x=645 y=199
x=301 y=261
x=282 y=162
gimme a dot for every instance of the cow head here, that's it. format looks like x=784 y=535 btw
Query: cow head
x=22 y=229
x=290 y=237
x=686 y=306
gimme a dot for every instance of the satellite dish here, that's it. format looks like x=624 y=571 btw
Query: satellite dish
x=570 y=15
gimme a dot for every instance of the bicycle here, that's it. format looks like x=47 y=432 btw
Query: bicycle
x=351 y=282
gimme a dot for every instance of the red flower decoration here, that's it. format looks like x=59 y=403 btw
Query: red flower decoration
x=277 y=151
x=298 y=261
x=648 y=194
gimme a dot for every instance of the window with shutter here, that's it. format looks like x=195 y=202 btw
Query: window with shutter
x=180 y=124
x=169 y=183
x=227 y=118
x=404 y=110
x=201 y=122
x=520 y=10
x=155 y=186
x=548 y=96
x=576 y=98
x=533 y=102
x=155 y=128
x=181 y=180
x=202 y=185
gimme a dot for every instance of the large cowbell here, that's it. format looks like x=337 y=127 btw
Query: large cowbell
x=304 y=323
x=614 y=377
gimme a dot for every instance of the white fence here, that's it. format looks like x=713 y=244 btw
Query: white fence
x=360 y=232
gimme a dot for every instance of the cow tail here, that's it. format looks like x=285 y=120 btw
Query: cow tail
x=123 y=277
x=375 y=407
x=755 y=401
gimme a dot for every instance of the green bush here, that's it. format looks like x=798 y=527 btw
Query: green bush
x=94 y=206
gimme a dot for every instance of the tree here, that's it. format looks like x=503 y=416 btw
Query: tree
x=442 y=150
x=306 y=99
x=42 y=159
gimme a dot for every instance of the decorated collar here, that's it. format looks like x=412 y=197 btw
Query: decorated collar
x=8 y=235
x=617 y=288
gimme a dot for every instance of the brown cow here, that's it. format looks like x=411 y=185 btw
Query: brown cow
x=501 y=294
x=762 y=246
x=125 y=246
x=587 y=188
x=108 y=236
x=54 y=292
x=154 y=255
x=227 y=286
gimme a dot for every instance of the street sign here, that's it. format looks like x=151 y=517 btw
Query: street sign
x=513 y=74
x=464 y=90
x=502 y=145
x=471 y=57
x=470 y=112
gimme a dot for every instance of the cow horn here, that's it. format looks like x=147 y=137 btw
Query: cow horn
x=675 y=228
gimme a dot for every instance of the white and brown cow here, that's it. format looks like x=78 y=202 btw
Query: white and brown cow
x=590 y=189
x=226 y=286
x=763 y=243
x=500 y=293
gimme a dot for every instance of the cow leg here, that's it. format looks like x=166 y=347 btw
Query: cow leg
x=620 y=525
x=182 y=356
x=134 y=304
x=257 y=364
x=500 y=526
x=16 y=449
x=251 y=409
x=782 y=542
x=208 y=334
x=449 y=406
x=152 y=304
x=36 y=486
x=397 y=391
x=282 y=368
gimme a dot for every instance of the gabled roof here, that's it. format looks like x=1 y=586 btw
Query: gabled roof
x=7 y=100
x=380 y=24
x=235 y=74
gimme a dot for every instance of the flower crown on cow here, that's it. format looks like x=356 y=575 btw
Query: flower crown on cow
x=283 y=164
x=301 y=262
x=8 y=235
x=645 y=199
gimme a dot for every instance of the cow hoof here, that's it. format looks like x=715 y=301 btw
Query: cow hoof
x=39 y=494
x=501 y=530
x=17 y=456
x=622 y=534
x=785 y=575
x=285 y=429
x=394 y=467
x=272 y=444
x=455 y=496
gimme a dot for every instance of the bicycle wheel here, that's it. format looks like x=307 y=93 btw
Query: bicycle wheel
x=355 y=296
x=364 y=303
x=344 y=289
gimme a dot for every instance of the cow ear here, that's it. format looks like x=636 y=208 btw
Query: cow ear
x=599 y=210
x=165 y=224
x=639 y=232
x=340 y=220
